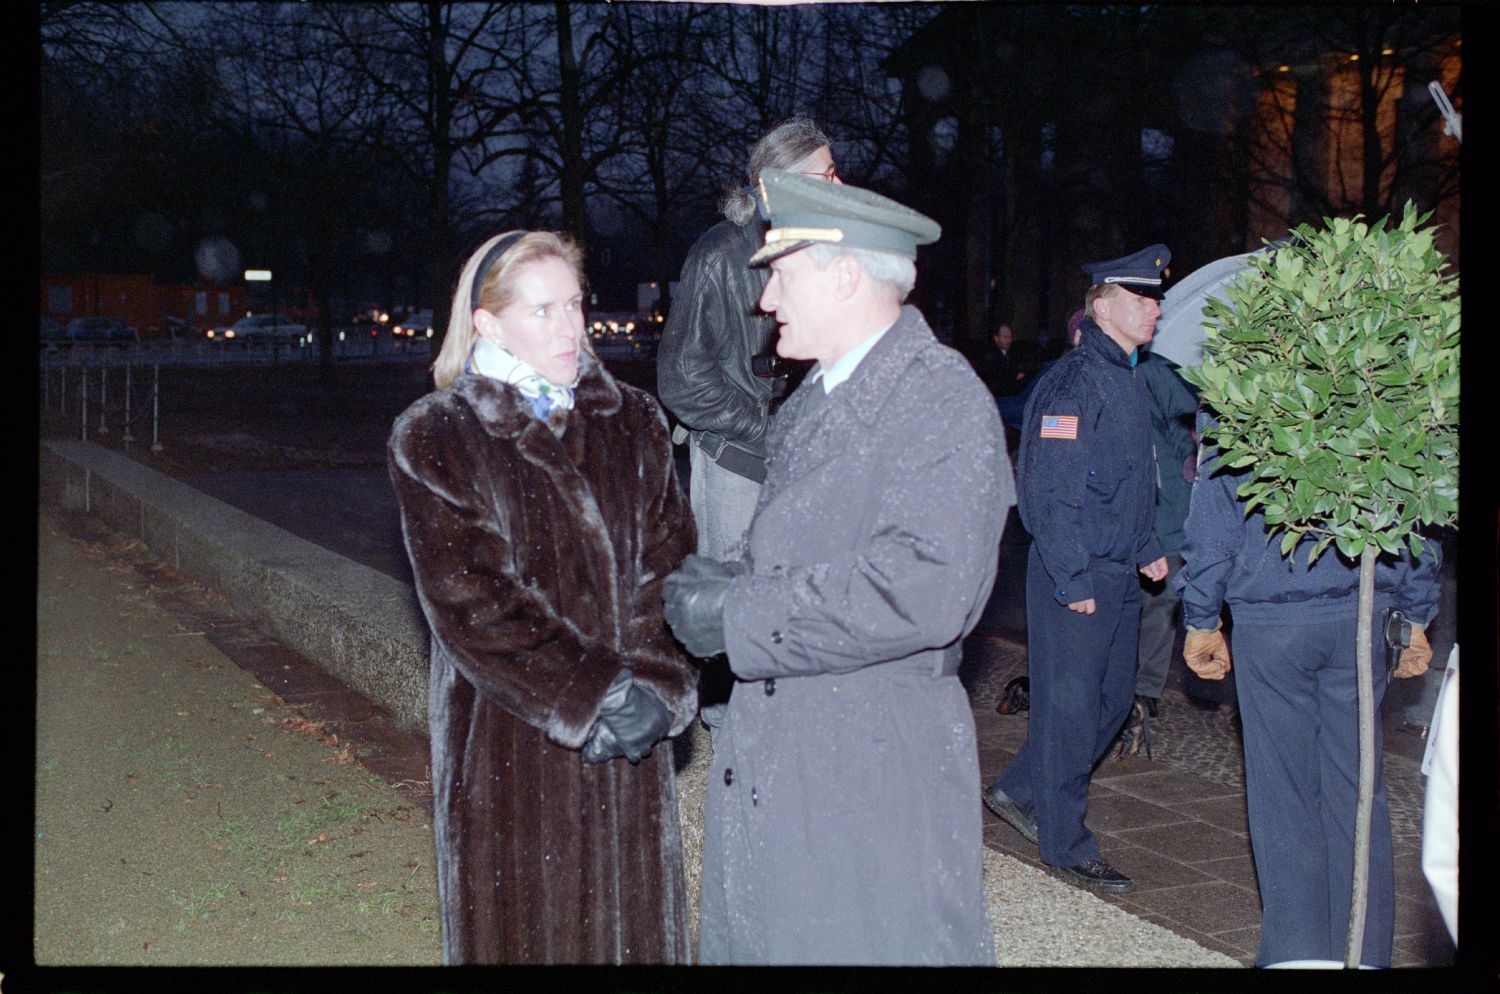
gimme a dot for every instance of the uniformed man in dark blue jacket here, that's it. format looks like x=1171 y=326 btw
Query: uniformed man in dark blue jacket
x=1296 y=648
x=1086 y=483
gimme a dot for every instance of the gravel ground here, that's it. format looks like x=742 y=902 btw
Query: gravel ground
x=1038 y=920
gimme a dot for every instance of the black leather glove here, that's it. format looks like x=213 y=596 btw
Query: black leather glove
x=640 y=724
x=630 y=723
x=603 y=745
x=693 y=604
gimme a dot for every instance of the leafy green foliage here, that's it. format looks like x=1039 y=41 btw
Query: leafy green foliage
x=1332 y=370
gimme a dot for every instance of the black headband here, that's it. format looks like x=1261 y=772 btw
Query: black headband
x=496 y=251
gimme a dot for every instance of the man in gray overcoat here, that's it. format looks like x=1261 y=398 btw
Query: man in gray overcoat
x=841 y=824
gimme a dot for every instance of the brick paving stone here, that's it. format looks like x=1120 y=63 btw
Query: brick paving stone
x=1237 y=869
x=1228 y=813
x=1185 y=841
x=1237 y=942
x=1164 y=785
x=1149 y=869
x=1111 y=812
x=1211 y=907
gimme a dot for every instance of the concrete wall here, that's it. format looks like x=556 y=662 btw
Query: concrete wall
x=362 y=626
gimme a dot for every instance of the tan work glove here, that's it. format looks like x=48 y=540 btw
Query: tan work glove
x=1206 y=653
x=1415 y=657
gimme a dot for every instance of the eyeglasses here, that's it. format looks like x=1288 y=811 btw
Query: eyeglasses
x=830 y=174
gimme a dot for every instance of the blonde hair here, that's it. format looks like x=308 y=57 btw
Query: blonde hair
x=1098 y=291
x=496 y=291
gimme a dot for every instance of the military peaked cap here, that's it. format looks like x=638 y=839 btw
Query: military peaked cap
x=806 y=211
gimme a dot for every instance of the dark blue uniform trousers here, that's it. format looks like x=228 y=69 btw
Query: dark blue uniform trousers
x=1082 y=672
x=1300 y=713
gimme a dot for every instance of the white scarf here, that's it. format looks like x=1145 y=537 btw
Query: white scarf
x=489 y=359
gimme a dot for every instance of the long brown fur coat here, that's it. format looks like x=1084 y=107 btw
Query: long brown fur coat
x=539 y=551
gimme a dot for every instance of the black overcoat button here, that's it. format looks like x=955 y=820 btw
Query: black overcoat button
x=770 y=686
x=728 y=776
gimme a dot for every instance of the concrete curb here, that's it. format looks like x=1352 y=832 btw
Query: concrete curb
x=363 y=627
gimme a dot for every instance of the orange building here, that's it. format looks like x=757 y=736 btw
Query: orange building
x=158 y=310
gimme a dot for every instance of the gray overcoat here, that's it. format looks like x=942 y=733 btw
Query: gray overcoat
x=842 y=821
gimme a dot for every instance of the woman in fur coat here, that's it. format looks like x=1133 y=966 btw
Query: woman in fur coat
x=541 y=515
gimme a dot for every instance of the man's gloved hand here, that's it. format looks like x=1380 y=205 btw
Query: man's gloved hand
x=1416 y=657
x=1206 y=653
x=629 y=724
x=693 y=604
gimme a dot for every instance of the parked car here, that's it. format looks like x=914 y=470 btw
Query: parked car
x=417 y=324
x=259 y=328
x=178 y=329
x=100 y=330
x=621 y=336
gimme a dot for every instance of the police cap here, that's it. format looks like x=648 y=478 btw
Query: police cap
x=1139 y=272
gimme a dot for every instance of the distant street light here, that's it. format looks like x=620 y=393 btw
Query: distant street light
x=264 y=276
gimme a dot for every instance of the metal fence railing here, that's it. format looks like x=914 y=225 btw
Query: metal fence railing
x=201 y=352
x=104 y=395
x=103 y=390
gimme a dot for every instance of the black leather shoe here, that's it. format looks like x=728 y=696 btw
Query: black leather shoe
x=1095 y=874
x=1010 y=812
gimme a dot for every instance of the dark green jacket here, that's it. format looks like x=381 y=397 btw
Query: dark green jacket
x=1173 y=405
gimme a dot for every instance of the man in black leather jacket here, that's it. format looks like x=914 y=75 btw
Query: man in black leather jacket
x=706 y=363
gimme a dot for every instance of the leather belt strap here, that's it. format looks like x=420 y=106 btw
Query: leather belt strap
x=935 y=663
x=733 y=458
x=1110 y=565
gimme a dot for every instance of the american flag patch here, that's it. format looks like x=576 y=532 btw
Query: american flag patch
x=1060 y=426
